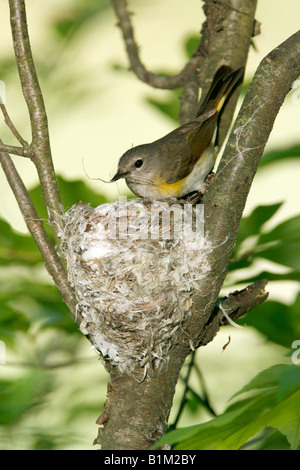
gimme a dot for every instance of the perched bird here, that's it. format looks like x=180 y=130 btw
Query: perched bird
x=178 y=164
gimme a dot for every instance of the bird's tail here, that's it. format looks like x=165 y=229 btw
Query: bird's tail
x=223 y=82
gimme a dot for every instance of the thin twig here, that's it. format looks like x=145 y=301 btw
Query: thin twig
x=157 y=81
x=20 y=151
x=11 y=126
x=25 y=150
x=235 y=305
x=38 y=118
x=205 y=399
x=184 y=395
x=240 y=302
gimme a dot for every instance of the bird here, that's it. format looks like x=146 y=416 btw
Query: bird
x=179 y=163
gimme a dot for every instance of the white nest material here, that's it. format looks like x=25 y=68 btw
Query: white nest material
x=134 y=269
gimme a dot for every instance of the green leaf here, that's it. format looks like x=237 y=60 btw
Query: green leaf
x=16 y=248
x=274 y=441
x=289 y=276
x=252 y=224
x=281 y=244
x=11 y=321
x=250 y=227
x=272 y=319
x=274 y=402
x=50 y=311
x=277 y=155
x=79 y=14
x=17 y=397
x=191 y=44
x=283 y=378
x=280 y=323
x=71 y=192
x=248 y=235
x=169 y=107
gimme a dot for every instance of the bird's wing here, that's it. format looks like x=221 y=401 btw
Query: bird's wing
x=188 y=144
x=189 y=141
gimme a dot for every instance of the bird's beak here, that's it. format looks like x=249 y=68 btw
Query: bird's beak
x=117 y=176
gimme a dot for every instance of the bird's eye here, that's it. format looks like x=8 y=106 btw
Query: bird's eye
x=138 y=163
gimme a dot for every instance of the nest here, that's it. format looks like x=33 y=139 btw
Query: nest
x=134 y=268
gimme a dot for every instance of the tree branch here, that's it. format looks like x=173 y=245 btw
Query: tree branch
x=225 y=39
x=226 y=36
x=20 y=151
x=184 y=395
x=25 y=150
x=39 y=152
x=234 y=306
x=36 y=229
x=157 y=81
x=11 y=126
x=40 y=145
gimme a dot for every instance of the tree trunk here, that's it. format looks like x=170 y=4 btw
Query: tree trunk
x=137 y=413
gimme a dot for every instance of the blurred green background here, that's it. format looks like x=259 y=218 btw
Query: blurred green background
x=52 y=386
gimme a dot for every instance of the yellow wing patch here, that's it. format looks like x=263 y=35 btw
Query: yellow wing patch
x=221 y=102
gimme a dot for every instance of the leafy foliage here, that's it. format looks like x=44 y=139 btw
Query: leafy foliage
x=279 y=245
x=280 y=154
x=272 y=403
x=77 y=16
x=16 y=248
x=18 y=397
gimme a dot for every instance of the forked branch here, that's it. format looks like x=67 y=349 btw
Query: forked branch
x=40 y=153
x=224 y=25
x=37 y=230
x=156 y=81
x=40 y=145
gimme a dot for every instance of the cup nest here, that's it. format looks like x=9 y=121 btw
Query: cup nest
x=134 y=268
